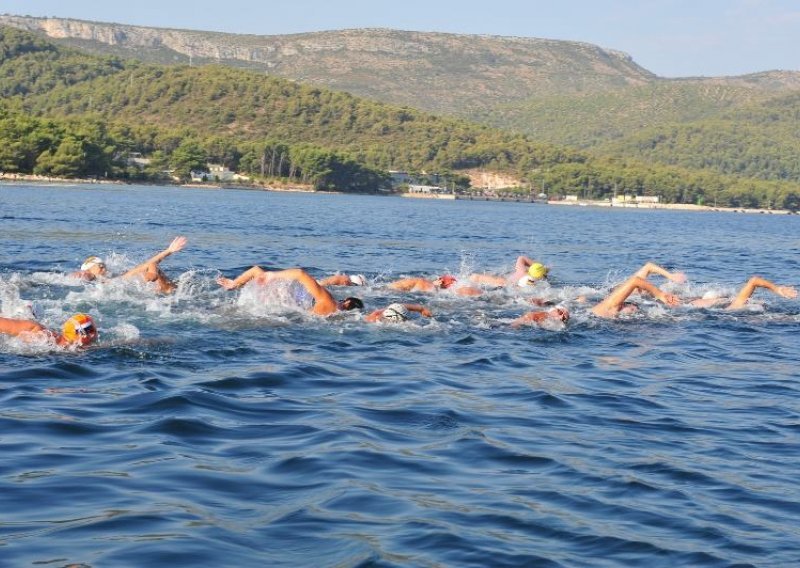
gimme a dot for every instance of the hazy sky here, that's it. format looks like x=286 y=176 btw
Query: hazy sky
x=672 y=38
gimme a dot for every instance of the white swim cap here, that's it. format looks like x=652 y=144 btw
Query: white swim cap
x=358 y=280
x=90 y=262
x=711 y=295
x=395 y=312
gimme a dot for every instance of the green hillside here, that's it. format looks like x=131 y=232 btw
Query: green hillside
x=83 y=113
x=757 y=141
x=590 y=119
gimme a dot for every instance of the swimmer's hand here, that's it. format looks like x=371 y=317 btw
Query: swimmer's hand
x=786 y=291
x=670 y=300
x=678 y=277
x=226 y=283
x=426 y=312
x=177 y=244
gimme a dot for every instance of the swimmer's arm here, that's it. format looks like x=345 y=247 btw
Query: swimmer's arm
x=757 y=282
x=665 y=298
x=17 y=327
x=468 y=291
x=523 y=263
x=407 y=284
x=242 y=279
x=487 y=279
x=83 y=275
x=528 y=318
x=374 y=316
x=336 y=280
x=651 y=267
x=176 y=245
x=610 y=306
x=422 y=310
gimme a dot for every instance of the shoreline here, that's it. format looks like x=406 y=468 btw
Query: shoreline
x=12 y=179
x=673 y=207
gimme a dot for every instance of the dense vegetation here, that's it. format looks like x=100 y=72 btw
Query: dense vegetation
x=591 y=118
x=76 y=115
x=755 y=141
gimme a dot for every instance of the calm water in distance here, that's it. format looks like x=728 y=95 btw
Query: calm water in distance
x=215 y=428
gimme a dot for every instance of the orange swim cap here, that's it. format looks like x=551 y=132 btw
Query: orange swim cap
x=80 y=329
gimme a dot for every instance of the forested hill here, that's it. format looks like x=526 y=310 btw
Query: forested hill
x=67 y=113
x=46 y=80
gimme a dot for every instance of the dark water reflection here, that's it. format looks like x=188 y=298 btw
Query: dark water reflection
x=208 y=431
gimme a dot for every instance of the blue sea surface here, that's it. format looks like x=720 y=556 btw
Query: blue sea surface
x=216 y=428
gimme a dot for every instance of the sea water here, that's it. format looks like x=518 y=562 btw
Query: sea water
x=215 y=428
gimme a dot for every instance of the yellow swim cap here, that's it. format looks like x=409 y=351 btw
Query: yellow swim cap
x=538 y=270
x=80 y=329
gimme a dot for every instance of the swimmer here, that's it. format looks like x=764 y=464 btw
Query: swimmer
x=615 y=303
x=93 y=268
x=395 y=313
x=539 y=317
x=344 y=280
x=78 y=330
x=744 y=294
x=150 y=271
x=526 y=273
x=322 y=302
x=443 y=282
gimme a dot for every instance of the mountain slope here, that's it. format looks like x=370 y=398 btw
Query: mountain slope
x=761 y=140
x=443 y=73
x=590 y=119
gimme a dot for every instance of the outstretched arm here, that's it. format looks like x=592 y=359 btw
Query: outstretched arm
x=420 y=309
x=150 y=270
x=242 y=279
x=651 y=267
x=412 y=284
x=613 y=303
x=336 y=280
x=530 y=318
x=176 y=245
x=487 y=279
x=757 y=282
x=9 y=326
x=523 y=263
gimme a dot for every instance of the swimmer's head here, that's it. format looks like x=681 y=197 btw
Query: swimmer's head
x=358 y=280
x=351 y=304
x=94 y=265
x=559 y=313
x=80 y=329
x=538 y=271
x=444 y=281
x=712 y=295
x=395 y=313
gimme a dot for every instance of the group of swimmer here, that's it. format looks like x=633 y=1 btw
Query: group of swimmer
x=314 y=295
